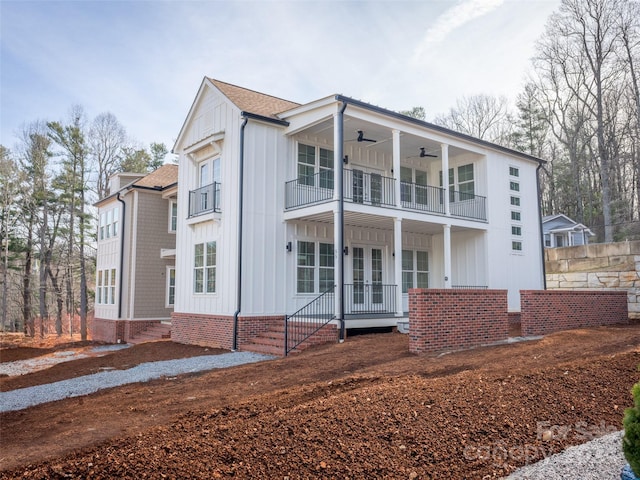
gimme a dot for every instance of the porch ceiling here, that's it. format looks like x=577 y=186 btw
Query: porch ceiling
x=358 y=220
x=409 y=144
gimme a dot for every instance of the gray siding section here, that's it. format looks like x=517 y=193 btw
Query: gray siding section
x=151 y=270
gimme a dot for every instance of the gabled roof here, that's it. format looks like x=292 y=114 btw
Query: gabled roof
x=161 y=178
x=164 y=177
x=252 y=101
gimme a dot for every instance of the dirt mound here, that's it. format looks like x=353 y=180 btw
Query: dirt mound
x=362 y=409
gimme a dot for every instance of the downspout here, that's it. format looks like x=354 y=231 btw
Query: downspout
x=121 y=275
x=544 y=273
x=239 y=265
x=340 y=156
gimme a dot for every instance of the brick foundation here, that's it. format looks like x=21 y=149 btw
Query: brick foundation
x=453 y=319
x=546 y=311
x=216 y=331
x=118 y=331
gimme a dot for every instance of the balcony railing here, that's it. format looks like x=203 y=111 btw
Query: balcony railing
x=364 y=298
x=309 y=189
x=368 y=188
x=467 y=205
x=375 y=190
x=422 y=197
x=204 y=200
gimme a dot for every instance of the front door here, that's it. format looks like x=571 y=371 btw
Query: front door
x=367 y=295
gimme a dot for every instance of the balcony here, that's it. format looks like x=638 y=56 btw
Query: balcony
x=204 y=200
x=367 y=299
x=378 y=191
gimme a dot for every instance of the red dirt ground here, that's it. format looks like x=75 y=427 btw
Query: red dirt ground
x=362 y=409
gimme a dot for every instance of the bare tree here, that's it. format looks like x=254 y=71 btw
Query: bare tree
x=107 y=138
x=481 y=116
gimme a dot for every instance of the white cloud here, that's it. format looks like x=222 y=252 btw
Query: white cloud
x=453 y=18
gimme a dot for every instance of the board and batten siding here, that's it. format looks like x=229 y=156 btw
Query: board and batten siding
x=507 y=269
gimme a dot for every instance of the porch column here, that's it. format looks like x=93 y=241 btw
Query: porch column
x=397 y=263
x=445 y=176
x=338 y=263
x=396 y=166
x=447 y=256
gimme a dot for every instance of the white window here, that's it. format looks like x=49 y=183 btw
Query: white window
x=171 y=286
x=515 y=201
x=173 y=216
x=415 y=269
x=311 y=273
x=413 y=183
x=516 y=246
x=112 y=287
x=114 y=224
x=516 y=216
x=109 y=220
x=103 y=222
x=516 y=231
x=99 y=288
x=514 y=171
x=314 y=161
x=204 y=268
x=461 y=183
x=108 y=224
x=514 y=186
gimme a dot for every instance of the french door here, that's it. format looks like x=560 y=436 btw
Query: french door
x=367 y=270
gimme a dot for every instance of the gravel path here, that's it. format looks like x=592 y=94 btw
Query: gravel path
x=22 y=367
x=599 y=459
x=75 y=387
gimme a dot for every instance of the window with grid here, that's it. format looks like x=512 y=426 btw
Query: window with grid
x=171 y=286
x=306 y=164
x=204 y=268
x=466 y=184
x=173 y=216
x=326 y=267
x=112 y=287
x=415 y=269
x=326 y=168
x=99 y=288
x=515 y=230
x=514 y=171
x=514 y=186
x=515 y=201
x=515 y=216
x=516 y=246
x=306 y=267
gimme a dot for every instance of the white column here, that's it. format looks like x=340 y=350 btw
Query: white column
x=397 y=263
x=337 y=162
x=336 y=261
x=447 y=256
x=445 y=176
x=396 y=166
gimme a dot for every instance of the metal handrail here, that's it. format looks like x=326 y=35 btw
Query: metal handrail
x=422 y=197
x=308 y=320
x=368 y=298
x=369 y=188
x=204 y=199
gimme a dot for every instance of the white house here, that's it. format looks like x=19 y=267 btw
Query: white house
x=264 y=227
x=560 y=231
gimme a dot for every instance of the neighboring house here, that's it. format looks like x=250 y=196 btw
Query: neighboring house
x=264 y=228
x=135 y=266
x=560 y=231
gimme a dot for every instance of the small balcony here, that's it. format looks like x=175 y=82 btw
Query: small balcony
x=379 y=191
x=204 y=200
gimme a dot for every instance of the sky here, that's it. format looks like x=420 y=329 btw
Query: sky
x=144 y=61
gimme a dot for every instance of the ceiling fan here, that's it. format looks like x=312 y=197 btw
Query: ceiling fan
x=423 y=153
x=361 y=138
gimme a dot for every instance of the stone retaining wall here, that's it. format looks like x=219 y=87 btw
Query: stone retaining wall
x=606 y=266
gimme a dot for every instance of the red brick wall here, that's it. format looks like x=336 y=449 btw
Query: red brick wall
x=217 y=330
x=452 y=319
x=546 y=311
x=114 y=331
x=105 y=330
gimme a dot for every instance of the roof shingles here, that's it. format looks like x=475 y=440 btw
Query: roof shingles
x=254 y=102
